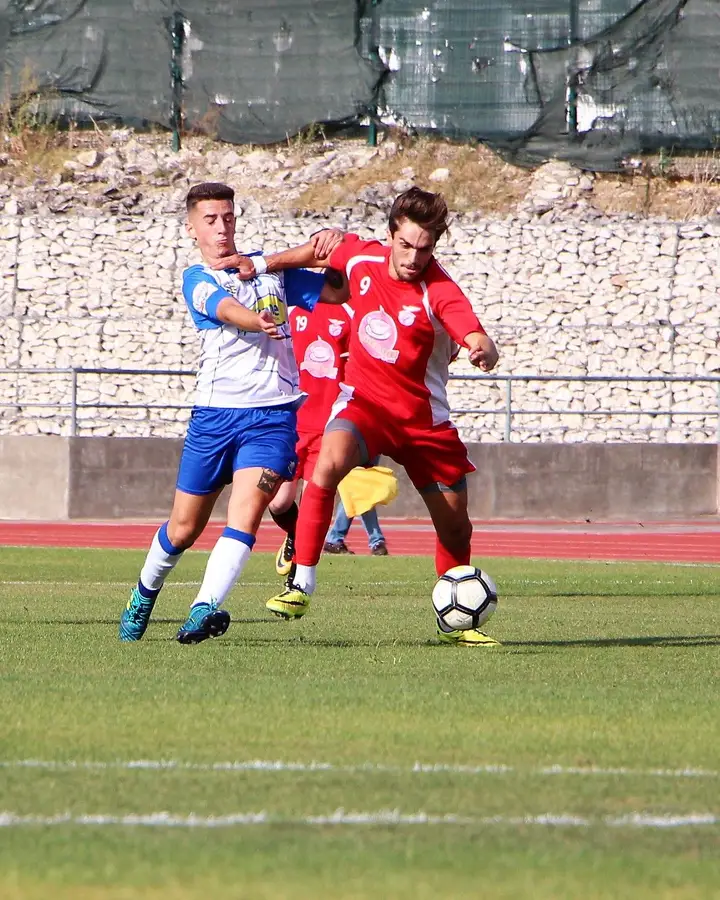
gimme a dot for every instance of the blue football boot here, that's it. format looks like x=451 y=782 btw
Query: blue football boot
x=136 y=616
x=205 y=621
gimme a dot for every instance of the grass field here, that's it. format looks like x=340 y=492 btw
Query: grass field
x=348 y=755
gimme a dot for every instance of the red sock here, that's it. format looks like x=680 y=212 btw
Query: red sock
x=316 y=510
x=445 y=558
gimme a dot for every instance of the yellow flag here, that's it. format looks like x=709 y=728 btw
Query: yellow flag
x=361 y=489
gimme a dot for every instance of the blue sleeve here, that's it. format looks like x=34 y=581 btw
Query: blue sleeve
x=203 y=295
x=302 y=288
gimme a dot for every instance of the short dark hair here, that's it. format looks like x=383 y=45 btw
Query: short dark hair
x=424 y=208
x=208 y=190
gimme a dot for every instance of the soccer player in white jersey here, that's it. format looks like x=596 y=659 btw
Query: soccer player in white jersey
x=243 y=425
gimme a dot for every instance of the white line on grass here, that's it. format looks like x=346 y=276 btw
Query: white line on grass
x=545 y=582
x=269 y=765
x=171 y=584
x=340 y=817
x=507 y=554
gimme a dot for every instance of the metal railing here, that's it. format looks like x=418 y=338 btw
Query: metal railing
x=73 y=404
x=509 y=411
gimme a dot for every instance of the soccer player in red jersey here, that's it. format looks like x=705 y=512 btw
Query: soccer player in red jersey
x=320 y=342
x=410 y=320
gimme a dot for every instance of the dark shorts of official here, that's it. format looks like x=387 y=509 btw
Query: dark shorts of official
x=221 y=441
x=433 y=455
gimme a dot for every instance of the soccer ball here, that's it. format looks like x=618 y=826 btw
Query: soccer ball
x=464 y=597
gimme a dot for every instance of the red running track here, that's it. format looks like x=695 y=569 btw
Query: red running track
x=681 y=542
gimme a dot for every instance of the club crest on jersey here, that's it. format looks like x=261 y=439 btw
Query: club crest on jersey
x=319 y=360
x=378 y=334
x=335 y=327
x=407 y=315
x=202 y=292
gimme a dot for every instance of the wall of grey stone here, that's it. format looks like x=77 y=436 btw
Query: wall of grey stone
x=570 y=296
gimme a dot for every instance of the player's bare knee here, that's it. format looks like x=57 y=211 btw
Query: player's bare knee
x=327 y=476
x=331 y=468
x=277 y=508
x=183 y=534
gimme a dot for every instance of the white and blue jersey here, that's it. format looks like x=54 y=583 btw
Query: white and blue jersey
x=247 y=389
x=242 y=369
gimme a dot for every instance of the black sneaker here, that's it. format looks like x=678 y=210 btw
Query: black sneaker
x=379 y=549
x=339 y=547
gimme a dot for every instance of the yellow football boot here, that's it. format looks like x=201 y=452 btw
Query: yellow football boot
x=284 y=557
x=292 y=603
x=470 y=638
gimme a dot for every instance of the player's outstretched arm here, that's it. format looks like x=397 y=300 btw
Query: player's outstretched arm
x=314 y=254
x=483 y=352
x=302 y=257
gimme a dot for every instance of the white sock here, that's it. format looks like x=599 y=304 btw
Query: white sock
x=161 y=560
x=304 y=578
x=223 y=569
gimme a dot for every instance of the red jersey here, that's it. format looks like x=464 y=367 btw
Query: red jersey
x=404 y=333
x=320 y=341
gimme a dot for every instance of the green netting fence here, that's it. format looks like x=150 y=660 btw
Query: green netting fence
x=592 y=81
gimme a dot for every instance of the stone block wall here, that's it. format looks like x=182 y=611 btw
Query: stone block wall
x=569 y=297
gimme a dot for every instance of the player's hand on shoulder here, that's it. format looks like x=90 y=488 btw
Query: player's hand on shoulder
x=244 y=265
x=324 y=242
x=268 y=325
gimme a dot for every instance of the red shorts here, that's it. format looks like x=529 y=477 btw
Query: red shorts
x=307 y=449
x=430 y=454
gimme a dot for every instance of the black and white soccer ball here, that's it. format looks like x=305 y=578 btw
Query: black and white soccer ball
x=464 y=597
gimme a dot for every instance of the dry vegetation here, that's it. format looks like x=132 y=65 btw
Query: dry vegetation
x=478 y=179
x=28 y=138
x=679 y=188
x=675 y=186
x=41 y=153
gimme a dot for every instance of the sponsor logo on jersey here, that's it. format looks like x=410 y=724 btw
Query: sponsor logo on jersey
x=275 y=305
x=378 y=334
x=319 y=360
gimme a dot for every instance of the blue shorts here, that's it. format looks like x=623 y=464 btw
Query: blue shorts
x=221 y=441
